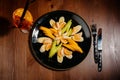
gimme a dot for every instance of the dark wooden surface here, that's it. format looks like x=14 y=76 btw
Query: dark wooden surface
x=17 y=63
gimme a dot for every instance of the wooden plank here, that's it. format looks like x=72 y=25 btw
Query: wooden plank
x=17 y=62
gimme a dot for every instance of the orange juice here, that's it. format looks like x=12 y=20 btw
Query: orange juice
x=26 y=23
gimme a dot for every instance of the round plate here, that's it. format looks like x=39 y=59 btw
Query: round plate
x=52 y=63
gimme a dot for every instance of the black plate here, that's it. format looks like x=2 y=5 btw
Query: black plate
x=52 y=63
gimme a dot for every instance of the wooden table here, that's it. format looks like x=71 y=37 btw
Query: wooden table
x=17 y=62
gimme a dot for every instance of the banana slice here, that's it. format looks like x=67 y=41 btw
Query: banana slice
x=68 y=53
x=42 y=39
x=61 y=19
x=52 y=22
x=60 y=55
x=78 y=37
x=76 y=29
x=42 y=49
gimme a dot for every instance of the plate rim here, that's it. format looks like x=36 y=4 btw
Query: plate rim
x=33 y=51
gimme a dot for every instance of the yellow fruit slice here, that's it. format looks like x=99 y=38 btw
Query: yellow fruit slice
x=67 y=52
x=76 y=29
x=78 y=37
x=60 y=55
x=73 y=46
x=61 y=19
x=47 y=32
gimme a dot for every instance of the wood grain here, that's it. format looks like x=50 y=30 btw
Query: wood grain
x=17 y=62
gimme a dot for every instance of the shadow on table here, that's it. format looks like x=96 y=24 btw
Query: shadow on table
x=4 y=26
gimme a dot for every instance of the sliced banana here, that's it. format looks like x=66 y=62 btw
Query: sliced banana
x=69 y=56
x=60 y=59
x=42 y=49
x=42 y=39
x=76 y=29
x=52 y=22
x=61 y=19
x=78 y=37
x=60 y=55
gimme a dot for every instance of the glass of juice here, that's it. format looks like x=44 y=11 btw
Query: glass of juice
x=25 y=24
